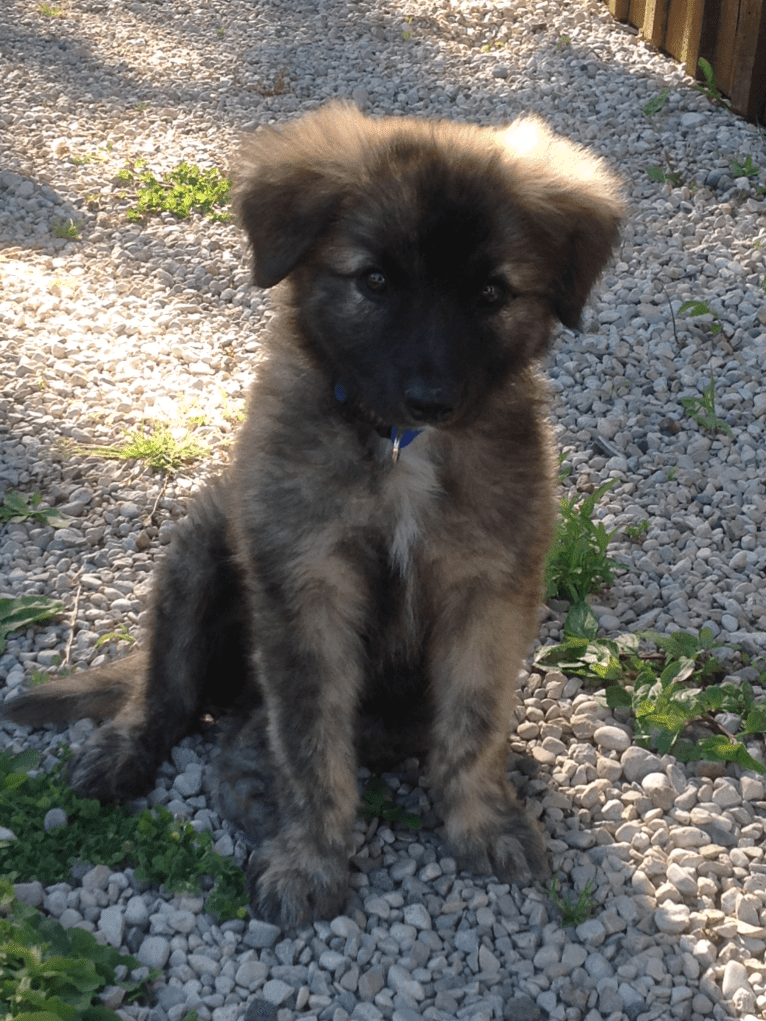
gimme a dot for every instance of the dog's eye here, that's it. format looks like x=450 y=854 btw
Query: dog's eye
x=492 y=293
x=374 y=281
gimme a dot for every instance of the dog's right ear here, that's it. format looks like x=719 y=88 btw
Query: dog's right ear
x=284 y=218
x=290 y=183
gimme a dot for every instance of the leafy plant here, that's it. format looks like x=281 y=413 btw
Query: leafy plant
x=563 y=42
x=578 y=563
x=377 y=804
x=160 y=449
x=99 y=156
x=162 y=849
x=665 y=692
x=660 y=176
x=574 y=910
x=180 y=191
x=746 y=169
x=68 y=229
x=701 y=308
x=17 y=507
x=21 y=611
x=702 y=410
x=634 y=532
x=49 y=973
x=50 y=11
x=120 y=635
x=710 y=89
x=655 y=106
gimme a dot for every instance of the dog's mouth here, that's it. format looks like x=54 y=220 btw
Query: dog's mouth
x=418 y=409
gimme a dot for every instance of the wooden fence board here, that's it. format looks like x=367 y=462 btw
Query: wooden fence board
x=637 y=11
x=748 y=79
x=619 y=9
x=730 y=34
x=656 y=21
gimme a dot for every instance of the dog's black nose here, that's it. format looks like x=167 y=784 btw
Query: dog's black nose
x=429 y=411
x=429 y=403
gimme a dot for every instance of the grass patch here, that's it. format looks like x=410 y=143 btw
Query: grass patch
x=702 y=410
x=669 y=694
x=51 y=10
x=378 y=804
x=160 y=449
x=69 y=229
x=20 y=612
x=574 y=910
x=49 y=973
x=163 y=850
x=181 y=191
x=16 y=508
x=577 y=563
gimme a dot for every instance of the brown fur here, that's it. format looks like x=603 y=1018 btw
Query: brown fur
x=424 y=267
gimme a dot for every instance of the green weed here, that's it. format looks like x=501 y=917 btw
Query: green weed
x=665 y=692
x=51 y=11
x=377 y=804
x=702 y=410
x=655 y=106
x=710 y=88
x=578 y=563
x=159 y=449
x=635 y=532
x=19 y=612
x=746 y=169
x=701 y=308
x=17 y=507
x=574 y=910
x=100 y=156
x=120 y=635
x=180 y=191
x=660 y=176
x=69 y=229
x=163 y=850
x=48 y=973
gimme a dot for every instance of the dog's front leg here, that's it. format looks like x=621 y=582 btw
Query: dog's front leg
x=309 y=662
x=476 y=651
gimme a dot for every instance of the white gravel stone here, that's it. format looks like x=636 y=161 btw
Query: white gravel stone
x=659 y=789
x=154 y=952
x=136 y=912
x=112 y=923
x=672 y=918
x=612 y=737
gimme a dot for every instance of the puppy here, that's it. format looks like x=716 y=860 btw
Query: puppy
x=378 y=542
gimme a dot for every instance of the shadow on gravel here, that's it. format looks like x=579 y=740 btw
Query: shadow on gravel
x=32 y=212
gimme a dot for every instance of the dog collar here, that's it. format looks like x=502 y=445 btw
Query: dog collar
x=399 y=439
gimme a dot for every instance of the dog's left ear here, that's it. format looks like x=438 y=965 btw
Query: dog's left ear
x=290 y=182
x=574 y=201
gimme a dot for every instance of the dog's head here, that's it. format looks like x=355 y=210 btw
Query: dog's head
x=427 y=260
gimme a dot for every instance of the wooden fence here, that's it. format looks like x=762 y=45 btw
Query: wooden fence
x=730 y=34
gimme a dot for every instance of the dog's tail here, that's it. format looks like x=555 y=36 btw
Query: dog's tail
x=99 y=694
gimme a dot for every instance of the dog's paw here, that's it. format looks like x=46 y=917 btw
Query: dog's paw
x=517 y=854
x=112 y=766
x=289 y=888
x=244 y=780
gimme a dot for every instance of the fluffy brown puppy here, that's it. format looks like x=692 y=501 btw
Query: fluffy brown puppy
x=379 y=540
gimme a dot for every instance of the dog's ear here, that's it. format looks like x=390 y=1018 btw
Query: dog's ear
x=290 y=182
x=575 y=204
x=284 y=219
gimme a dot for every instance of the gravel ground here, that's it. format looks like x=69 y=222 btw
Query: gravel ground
x=158 y=322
